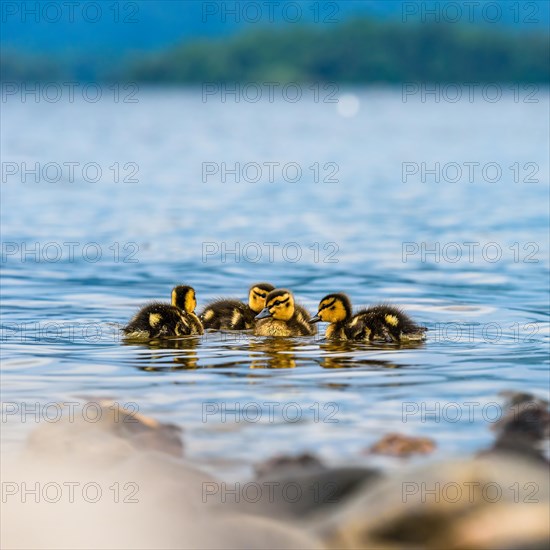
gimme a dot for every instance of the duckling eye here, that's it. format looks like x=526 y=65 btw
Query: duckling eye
x=332 y=307
x=277 y=303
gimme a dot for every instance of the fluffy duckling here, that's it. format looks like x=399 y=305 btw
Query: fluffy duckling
x=282 y=317
x=158 y=320
x=234 y=315
x=382 y=321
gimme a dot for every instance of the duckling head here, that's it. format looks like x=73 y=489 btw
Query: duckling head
x=184 y=298
x=333 y=308
x=279 y=305
x=257 y=295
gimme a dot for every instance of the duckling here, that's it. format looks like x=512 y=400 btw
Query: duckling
x=234 y=315
x=381 y=321
x=158 y=320
x=282 y=317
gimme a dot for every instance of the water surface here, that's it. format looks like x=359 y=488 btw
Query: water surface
x=364 y=229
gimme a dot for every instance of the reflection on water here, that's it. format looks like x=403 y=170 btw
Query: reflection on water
x=263 y=353
x=187 y=360
x=340 y=355
x=488 y=320
x=273 y=353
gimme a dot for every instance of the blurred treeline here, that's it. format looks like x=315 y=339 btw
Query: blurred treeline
x=357 y=51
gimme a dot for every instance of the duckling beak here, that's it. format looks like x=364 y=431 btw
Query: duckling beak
x=315 y=319
x=263 y=314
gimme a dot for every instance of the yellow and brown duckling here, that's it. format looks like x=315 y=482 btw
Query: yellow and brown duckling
x=159 y=320
x=282 y=317
x=227 y=314
x=382 y=321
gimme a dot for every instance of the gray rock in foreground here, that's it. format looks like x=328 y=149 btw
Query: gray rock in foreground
x=493 y=502
x=150 y=497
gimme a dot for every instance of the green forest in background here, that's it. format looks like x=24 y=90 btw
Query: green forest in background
x=357 y=51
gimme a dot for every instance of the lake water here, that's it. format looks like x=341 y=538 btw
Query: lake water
x=364 y=216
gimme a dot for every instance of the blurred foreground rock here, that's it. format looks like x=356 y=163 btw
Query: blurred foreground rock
x=494 y=502
x=402 y=445
x=296 y=487
x=525 y=428
x=108 y=431
x=115 y=484
x=279 y=464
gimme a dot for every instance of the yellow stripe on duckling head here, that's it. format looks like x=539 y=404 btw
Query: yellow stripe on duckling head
x=183 y=297
x=332 y=309
x=257 y=295
x=190 y=301
x=280 y=303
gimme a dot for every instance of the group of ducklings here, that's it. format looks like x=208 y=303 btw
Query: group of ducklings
x=272 y=312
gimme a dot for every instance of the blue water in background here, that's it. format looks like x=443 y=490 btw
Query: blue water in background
x=157 y=231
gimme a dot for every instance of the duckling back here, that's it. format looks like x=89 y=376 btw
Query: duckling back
x=301 y=318
x=227 y=315
x=161 y=321
x=384 y=322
